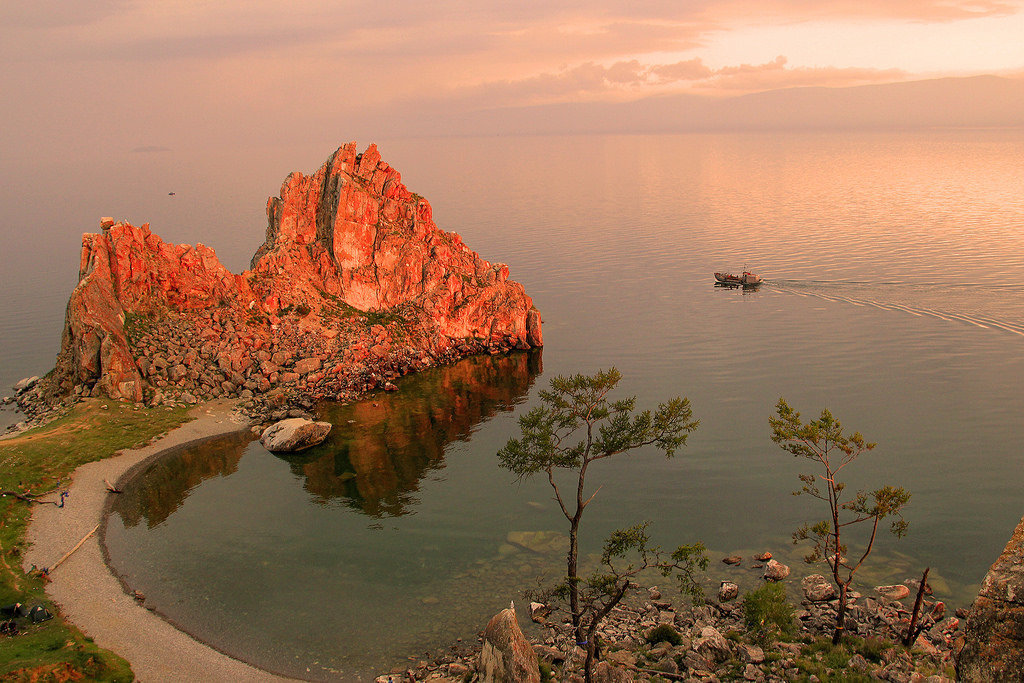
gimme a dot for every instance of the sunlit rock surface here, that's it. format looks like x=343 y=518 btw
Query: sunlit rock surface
x=353 y=286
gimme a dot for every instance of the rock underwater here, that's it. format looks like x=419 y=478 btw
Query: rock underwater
x=353 y=286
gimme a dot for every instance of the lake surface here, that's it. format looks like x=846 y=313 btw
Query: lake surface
x=894 y=267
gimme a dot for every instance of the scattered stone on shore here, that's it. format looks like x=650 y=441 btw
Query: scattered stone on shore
x=294 y=434
x=539 y=612
x=25 y=384
x=714 y=644
x=732 y=559
x=890 y=593
x=763 y=557
x=817 y=588
x=728 y=591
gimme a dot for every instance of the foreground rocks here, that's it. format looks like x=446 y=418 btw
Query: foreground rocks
x=353 y=286
x=994 y=635
x=711 y=642
x=294 y=434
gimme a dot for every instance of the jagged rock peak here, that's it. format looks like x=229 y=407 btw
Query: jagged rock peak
x=346 y=247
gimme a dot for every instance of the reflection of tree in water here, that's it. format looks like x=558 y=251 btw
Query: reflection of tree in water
x=163 y=486
x=380 y=448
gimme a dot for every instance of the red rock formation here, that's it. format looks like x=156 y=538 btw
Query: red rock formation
x=345 y=247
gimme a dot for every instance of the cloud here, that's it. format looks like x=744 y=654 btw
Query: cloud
x=916 y=10
x=578 y=30
x=591 y=81
x=689 y=70
x=137 y=70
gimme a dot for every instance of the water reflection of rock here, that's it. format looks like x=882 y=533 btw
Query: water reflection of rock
x=380 y=448
x=163 y=486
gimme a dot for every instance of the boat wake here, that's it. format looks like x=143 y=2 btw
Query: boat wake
x=884 y=295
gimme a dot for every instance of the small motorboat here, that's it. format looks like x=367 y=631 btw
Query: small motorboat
x=747 y=279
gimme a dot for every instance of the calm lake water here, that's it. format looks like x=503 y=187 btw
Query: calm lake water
x=894 y=267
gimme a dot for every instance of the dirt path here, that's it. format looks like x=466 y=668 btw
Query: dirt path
x=92 y=598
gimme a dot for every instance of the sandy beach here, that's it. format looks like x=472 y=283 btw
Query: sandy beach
x=92 y=598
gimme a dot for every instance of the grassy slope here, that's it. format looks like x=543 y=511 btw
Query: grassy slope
x=38 y=461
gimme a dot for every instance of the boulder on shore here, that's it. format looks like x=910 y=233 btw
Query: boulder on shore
x=817 y=588
x=294 y=434
x=507 y=657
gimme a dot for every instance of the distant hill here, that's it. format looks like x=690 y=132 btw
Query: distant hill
x=974 y=102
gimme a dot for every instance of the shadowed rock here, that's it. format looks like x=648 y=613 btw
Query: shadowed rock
x=994 y=636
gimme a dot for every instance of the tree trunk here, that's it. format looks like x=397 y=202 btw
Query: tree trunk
x=588 y=663
x=915 y=615
x=841 y=616
x=574 y=584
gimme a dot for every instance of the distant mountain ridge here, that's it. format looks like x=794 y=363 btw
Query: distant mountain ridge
x=969 y=102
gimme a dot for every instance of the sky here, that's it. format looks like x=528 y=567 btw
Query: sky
x=148 y=74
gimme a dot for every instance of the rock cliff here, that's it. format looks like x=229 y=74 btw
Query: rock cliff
x=353 y=286
x=994 y=636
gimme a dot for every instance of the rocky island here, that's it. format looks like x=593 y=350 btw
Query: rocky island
x=354 y=285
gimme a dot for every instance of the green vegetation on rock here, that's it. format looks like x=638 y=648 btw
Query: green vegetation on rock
x=768 y=615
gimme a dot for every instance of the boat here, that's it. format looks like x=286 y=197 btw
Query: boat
x=747 y=279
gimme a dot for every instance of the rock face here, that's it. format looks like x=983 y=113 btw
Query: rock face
x=353 y=286
x=507 y=657
x=994 y=636
x=294 y=434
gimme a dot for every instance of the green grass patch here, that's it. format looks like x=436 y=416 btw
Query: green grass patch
x=136 y=325
x=664 y=633
x=768 y=615
x=829 y=662
x=40 y=460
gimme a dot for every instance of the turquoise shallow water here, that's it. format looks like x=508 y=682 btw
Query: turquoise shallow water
x=893 y=265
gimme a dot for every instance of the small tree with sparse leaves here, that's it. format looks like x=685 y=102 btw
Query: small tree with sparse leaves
x=823 y=442
x=576 y=425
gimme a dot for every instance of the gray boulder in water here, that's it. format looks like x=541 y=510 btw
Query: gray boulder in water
x=294 y=434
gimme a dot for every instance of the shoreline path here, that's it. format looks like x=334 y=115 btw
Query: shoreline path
x=89 y=594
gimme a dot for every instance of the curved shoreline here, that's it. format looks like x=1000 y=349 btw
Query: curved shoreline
x=93 y=598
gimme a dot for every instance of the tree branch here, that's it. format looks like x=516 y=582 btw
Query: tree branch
x=33 y=498
x=558 y=494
